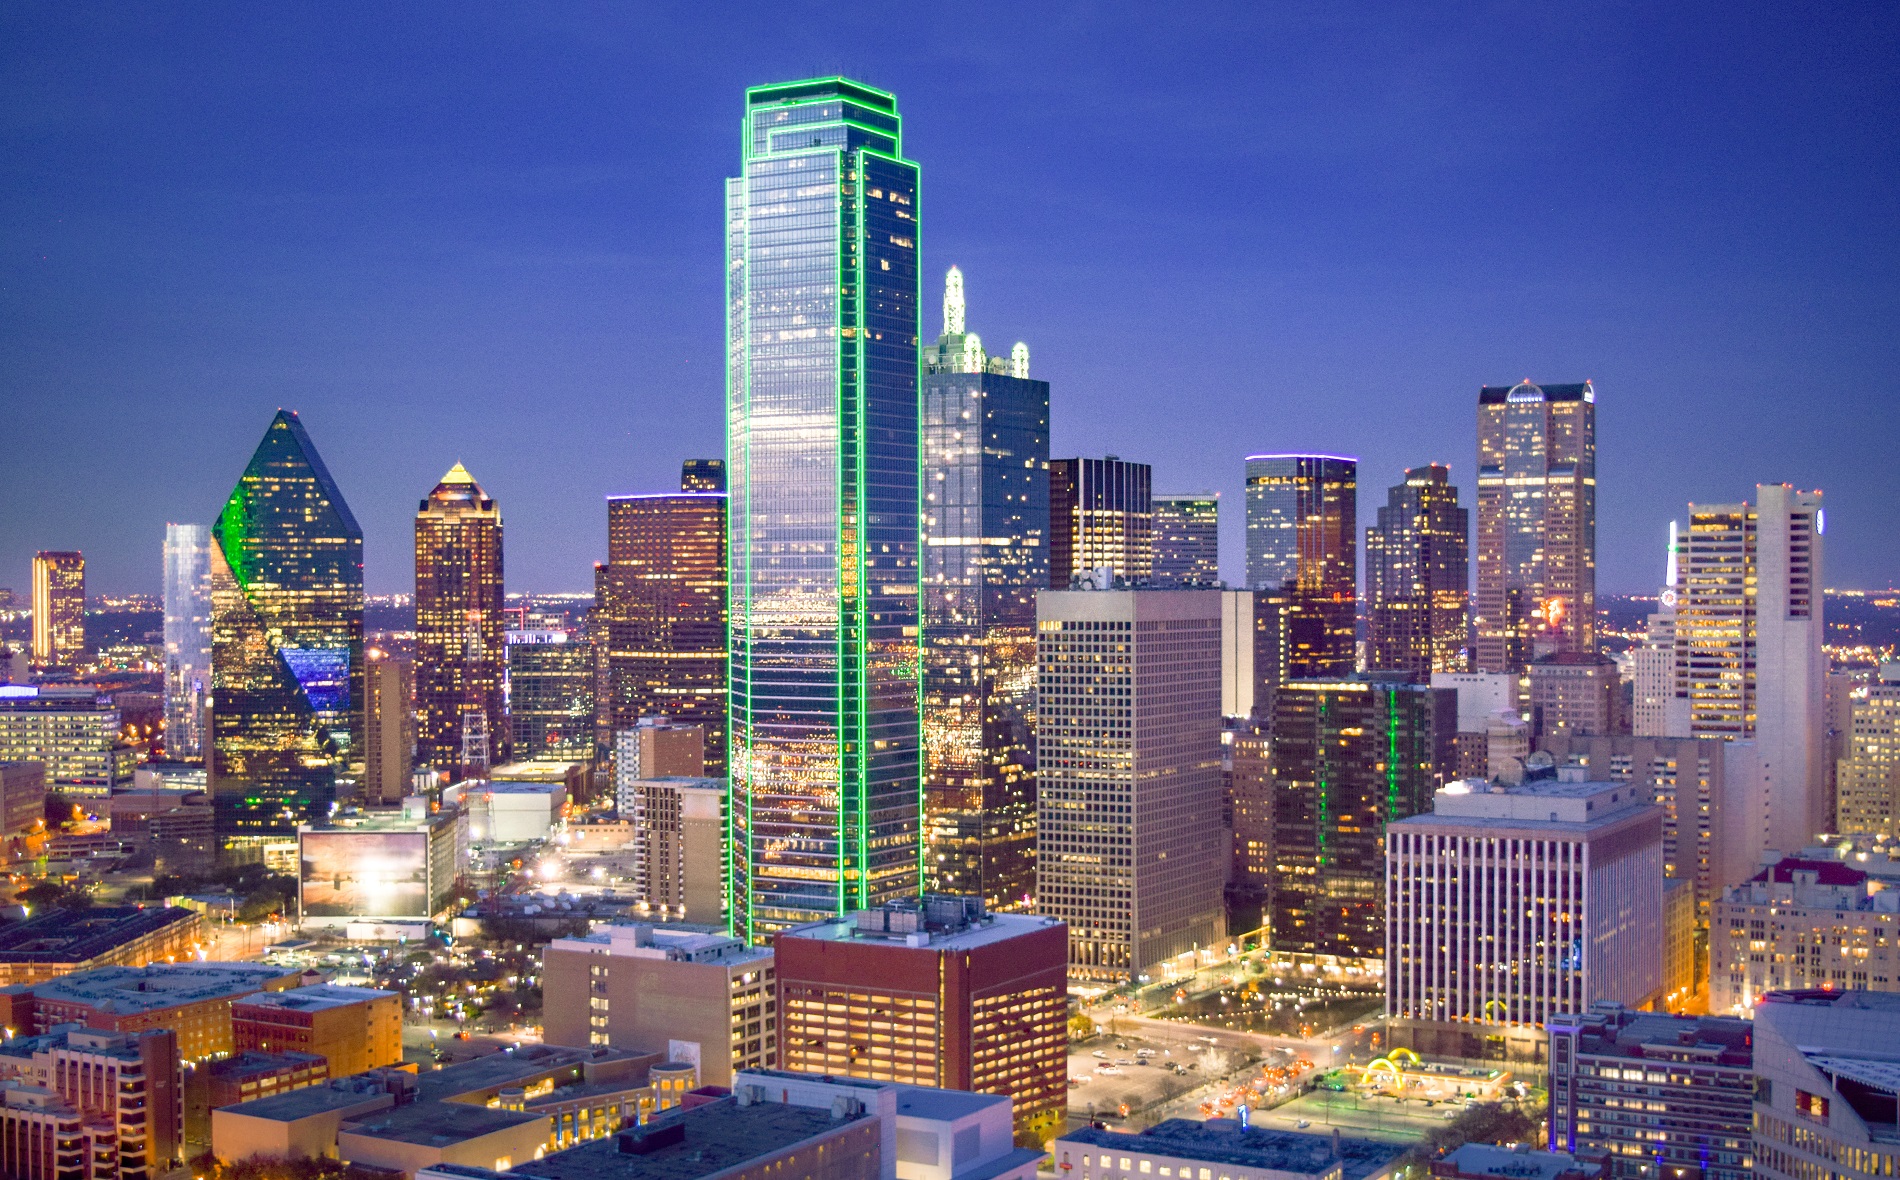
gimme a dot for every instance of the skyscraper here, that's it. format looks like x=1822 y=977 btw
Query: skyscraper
x=187 y=637
x=1187 y=539
x=1302 y=549
x=389 y=727
x=1869 y=800
x=985 y=524
x=460 y=658
x=822 y=467
x=1654 y=711
x=1418 y=578
x=59 y=608
x=551 y=696
x=703 y=475
x=1749 y=661
x=660 y=607
x=1537 y=523
x=1101 y=514
x=286 y=640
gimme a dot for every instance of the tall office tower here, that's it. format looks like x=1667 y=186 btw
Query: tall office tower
x=1131 y=850
x=1101 y=514
x=1418 y=578
x=660 y=610
x=1653 y=708
x=1574 y=693
x=932 y=991
x=703 y=475
x=1749 y=661
x=460 y=657
x=985 y=526
x=389 y=727
x=1537 y=523
x=551 y=695
x=1187 y=539
x=1302 y=549
x=59 y=608
x=1846 y=689
x=286 y=640
x=187 y=638
x=1468 y=977
x=1348 y=757
x=1869 y=774
x=822 y=462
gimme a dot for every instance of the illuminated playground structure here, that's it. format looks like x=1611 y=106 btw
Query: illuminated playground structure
x=1401 y=1074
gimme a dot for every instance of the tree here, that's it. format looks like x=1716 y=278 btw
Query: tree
x=1081 y=1028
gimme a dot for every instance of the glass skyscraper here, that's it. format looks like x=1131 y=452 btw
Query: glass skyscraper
x=187 y=637
x=1418 y=577
x=286 y=640
x=822 y=468
x=1101 y=516
x=460 y=658
x=986 y=524
x=1302 y=541
x=1187 y=539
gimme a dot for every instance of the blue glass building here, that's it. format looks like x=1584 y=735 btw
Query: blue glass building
x=822 y=473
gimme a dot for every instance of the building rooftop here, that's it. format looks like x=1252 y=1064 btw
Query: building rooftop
x=711 y=1139
x=927 y=1102
x=679 y=943
x=315 y=998
x=1498 y=394
x=338 y=1094
x=257 y=1063
x=1566 y=800
x=65 y=936
x=126 y=990
x=1225 y=1141
x=438 y=1124
x=1484 y=1159
x=1612 y=1030
x=494 y=1071
x=1826 y=872
x=936 y=921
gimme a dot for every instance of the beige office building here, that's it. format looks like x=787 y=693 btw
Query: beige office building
x=679 y=832
x=389 y=727
x=1826 y=918
x=1867 y=778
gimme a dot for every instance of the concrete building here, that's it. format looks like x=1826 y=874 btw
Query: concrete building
x=1484 y=1161
x=389 y=727
x=1131 y=851
x=1468 y=977
x=1808 y=921
x=1826 y=1085
x=551 y=689
x=1220 y=1147
x=22 y=798
x=69 y=729
x=1480 y=696
x=1238 y=676
x=61 y=942
x=125 y=1087
x=42 y=1137
x=645 y=987
x=193 y=1000
x=656 y=747
x=352 y=1028
x=1867 y=791
x=933 y=991
x=679 y=827
x=503 y=812
x=1658 y=1095
x=1574 y=694
x=245 y=1077
x=410 y=1138
x=301 y=1124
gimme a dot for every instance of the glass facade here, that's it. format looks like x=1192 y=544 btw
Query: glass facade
x=1302 y=550
x=1187 y=540
x=59 y=608
x=985 y=524
x=822 y=468
x=460 y=659
x=187 y=637
x=551 y=696
x=286 y=640
x=1418 y=578
x=1101 y=515
x=1537 y=523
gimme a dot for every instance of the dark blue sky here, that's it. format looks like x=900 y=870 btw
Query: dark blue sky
x=492 y=233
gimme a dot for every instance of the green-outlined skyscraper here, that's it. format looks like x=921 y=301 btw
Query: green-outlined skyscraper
x=822 y=474
x=286 y=641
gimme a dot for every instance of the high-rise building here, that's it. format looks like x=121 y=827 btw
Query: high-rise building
x=660 y=614
x=187 y=638
x=1131 y=850
x=286 y=640
x=389 y=727
x=460 y=658
x=1302 y=550
x=1825 y=1089
x=1869 y=773
x=678 y=847
x=1817 y=919
x=1574 y=694
x=1418 y=578
x=1846 y=689
x=1655 y=1095
x=822 y=464
x=1348 y=758
x=1653 y=706
x=59 y=608
x=932 y=991
x=1101 y=515
x=1582 y=861
x=1537 y=523
x=985 y=526
x=703 y=475
x=1749 y=662
x=1187 y=539
x=551 y=695
x=72 y=731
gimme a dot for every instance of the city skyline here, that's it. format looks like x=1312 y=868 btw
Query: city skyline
x=1681 y=351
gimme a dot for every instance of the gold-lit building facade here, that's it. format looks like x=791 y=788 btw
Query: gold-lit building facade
x=1418 y=570
x=389 y=725
x=59 y=608
x=1537 y=524
x=460 y=657
x=286 y=640
x=985 y=438
x=1101 y=515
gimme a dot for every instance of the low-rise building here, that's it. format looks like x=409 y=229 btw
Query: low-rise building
x=193 y=1000
x=1827 y=1070
x=1484 y=1161
x=61 y=942
x=410 y=1138
x=352 y=1028
x=245 y=1077
x=1657 y=1095
x=1810 y=920
x=302 y=1124
x=1219 y=1149
x=42 y=1137
x=509 y=812
x=647 y=987
x=71 y=731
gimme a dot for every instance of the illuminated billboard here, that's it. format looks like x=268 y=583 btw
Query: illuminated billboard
x=358 y=874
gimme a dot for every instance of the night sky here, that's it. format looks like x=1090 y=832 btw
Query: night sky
x=492 y=233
